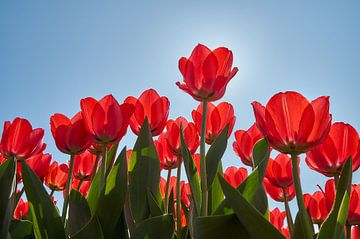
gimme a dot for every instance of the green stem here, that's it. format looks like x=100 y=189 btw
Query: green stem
x=303 y=216
x=178 y=202
x=348 y=231
x=336 y=179
x=78 y=187
x=288 y=213
x=67 y=189
x=103 y=166
x=95 y=166
x=203 y=175
x=166 y=203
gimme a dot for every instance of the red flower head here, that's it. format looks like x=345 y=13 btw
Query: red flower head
x=206 y=73
x=84 y=187
x=57 y=176
x=70 y=135
x=168 y=160
x=162 y=186
x=40 y=164
x=329 y=157
x=330 y=192
x=316 y=207
x=216 y=119
x=244 y=144
x=277 y=218
x=173 y=135
x=21 y=210
x=286 y=233
x=354 y=205
x=279 y=171
x=291 y=123
x=20 y=140
x=235 y=176
x=106 y=120
x=277 y=193
x=2 y=159
x=83 y=166
x=355 y=232
x=152 y=106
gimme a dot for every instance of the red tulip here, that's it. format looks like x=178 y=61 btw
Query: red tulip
x=106 y=120
x=57 y=176
x=84 y=187
x=196 y=158
x=217 y=118
x=20 y=140
x=277 y=218
x=316 y=207
x=355 y=232
x=279 y=171
x=70 y=135
x=244 y=144
x=21 y=210
x=151 y=106
x=330 y=192
x=277 y=193
x=168 y=160
x=173 y=135
x=286 y=233
x=2 y=159
x=330 y=157
x=39 y=163
x=206 y=73
x=83 y=166
x=291 y=123
x=235 y=176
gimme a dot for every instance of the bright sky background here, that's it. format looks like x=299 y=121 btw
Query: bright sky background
x=53 y=53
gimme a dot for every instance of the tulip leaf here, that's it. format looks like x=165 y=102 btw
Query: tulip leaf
x=91 y=230
x=94 y=192
x=46 y=220
x=251 y=186
x=144 y=173
x=21 y=229
x=334 y=224
x=154 y=207
x=219 y=226
x=191 y=173
x=121 y=231
x=107 y=211
x=79 y=212
x=7 y=186
x=214 y=155
x=160 y=227
x=250 y=217
x=216 y=195
x=298 y=231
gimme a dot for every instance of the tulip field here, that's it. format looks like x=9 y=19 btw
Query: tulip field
x=112 y=192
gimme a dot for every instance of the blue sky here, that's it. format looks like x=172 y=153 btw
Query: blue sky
x=53 y=53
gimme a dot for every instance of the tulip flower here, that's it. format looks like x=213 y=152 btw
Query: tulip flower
x=2 y=159
x=279 y=172
x=277 y=193
x=82 y=186
x=355 y=232
x=151 y=106
x=39 y=163
x=206 y=73
x=245 y=141
x=106 y=120
x=235 y=176
x=83 y=166
x=316 y=207
x=330 y=157
x=277 y=218
x=57 y=176
x=217 y=118
x=173 y=135
x=21 y=210
x=20 y=140
x=168 y=160
x=291 y=123
x=70 y=135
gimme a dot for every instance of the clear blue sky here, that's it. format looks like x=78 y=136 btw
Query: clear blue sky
x=53 y=53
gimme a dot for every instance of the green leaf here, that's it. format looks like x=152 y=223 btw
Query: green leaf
x=111 y=155
x=107 y=211
x=121 y=230
x=144 y=173
x=216 y=195
x=155 y=209
x=46 y=220
x=191 y=173
x=90 y=230
x=214 y=155
x=94 y=192
x=161 y=227
x=251 y=186
x=298 y=231
x=79 y=212
x=334 y=224
x=250 y=218
x=21 y=229
x=7 y=186
x=219 y=226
